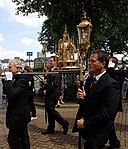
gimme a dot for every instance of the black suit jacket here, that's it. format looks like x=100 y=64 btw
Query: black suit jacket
x=18 y=109
x=99 y=109
x=119 y=76
x=52 y=89
x=31 y=85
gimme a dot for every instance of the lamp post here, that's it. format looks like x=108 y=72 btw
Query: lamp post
x=84 y=31
x=44 y=43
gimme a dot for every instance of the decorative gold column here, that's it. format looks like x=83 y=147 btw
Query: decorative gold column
x=44 y=43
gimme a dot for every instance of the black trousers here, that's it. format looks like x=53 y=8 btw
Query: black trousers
x=88 y=145
x=113 y=140
x=18 y=138
x=32 y=106
x=53 y=116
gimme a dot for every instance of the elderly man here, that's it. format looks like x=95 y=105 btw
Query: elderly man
x=18 y=109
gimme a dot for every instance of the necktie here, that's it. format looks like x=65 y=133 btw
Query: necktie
x=94 y=81
x=49 y=70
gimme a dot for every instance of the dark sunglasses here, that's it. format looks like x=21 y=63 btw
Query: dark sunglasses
x=19 y=67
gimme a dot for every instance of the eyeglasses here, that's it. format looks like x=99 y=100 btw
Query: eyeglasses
x=19 y=67
x=16 y=67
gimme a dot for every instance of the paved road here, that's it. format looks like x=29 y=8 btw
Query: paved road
x=58 y=140
x=38 y=141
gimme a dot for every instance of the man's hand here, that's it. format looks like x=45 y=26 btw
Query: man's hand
x=80 y=123
x=45 y=81
x=44 y=92
x=8 y=76
x=30 y=83
x=81 y=93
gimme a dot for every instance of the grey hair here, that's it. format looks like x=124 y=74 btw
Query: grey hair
x=15 y=62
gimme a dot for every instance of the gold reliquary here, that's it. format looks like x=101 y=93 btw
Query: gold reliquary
x=68 y=55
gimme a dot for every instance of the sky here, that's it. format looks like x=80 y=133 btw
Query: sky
x=18 y=33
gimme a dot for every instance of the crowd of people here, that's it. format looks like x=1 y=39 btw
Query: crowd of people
x=100 y=98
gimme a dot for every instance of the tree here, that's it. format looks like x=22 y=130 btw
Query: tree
x=109 y=20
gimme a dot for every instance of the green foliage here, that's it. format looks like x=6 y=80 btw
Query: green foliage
x=109 y=20
x=39 y=69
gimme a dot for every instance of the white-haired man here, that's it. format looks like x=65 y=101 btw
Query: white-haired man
x=18 y=110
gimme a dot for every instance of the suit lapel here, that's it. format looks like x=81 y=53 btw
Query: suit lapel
x=99 y=85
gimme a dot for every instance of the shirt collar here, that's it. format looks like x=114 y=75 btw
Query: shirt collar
x=52 y=68
x=97 y=77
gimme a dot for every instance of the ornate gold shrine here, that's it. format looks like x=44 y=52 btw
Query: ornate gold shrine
x=68 y=56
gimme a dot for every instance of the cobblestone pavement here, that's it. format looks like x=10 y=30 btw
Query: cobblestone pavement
x=58 y=140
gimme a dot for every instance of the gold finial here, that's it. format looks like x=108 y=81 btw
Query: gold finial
x=66 y=35
x=65 y=31
x=86 y=21
x=85 y=15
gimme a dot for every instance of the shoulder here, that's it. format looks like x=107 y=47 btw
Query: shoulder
x=112 y=83
x=30 y=78
x=107 y=80
x=55 y=68
x=22 y=80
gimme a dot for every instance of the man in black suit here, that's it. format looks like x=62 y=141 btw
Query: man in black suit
x=119 y=77
x=99 y=103
x=18 y=109
x=51 y=92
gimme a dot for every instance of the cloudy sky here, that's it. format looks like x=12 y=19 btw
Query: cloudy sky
x=18 y=34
